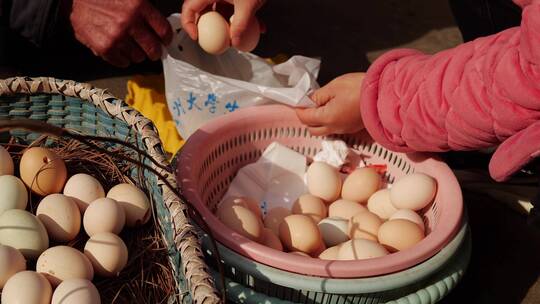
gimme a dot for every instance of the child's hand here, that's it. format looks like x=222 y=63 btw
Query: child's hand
x=338 y=107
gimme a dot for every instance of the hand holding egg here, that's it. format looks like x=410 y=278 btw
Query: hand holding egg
x=215 y=34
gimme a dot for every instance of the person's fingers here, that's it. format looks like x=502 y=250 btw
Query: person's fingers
x=322 y=95
x=244 y=14
x=313 y=117
x=146 y=39
x=319 y=131
x=130 y=49
x=262 y=27
x=157 y=22
x=116 y=58
x=190 y=12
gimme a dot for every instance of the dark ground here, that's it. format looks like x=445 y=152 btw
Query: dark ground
x=348 y=36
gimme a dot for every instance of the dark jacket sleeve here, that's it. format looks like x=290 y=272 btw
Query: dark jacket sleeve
x=34 y=20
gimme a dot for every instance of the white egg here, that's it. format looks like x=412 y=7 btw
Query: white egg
x=84 y=189
x=213 y=32
x=104 y=215
x=63 y=263
x=414 y=191
x=76 y=291
x=60 y=216
x=334 y=231
x=107 y=253
x=23 y=231
x=14 y=193
x=134 y=201
x=27 y=287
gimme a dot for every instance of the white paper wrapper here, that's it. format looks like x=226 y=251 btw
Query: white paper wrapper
x=275 y=180
x=334 y=153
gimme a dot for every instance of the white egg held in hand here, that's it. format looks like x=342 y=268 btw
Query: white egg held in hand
x=104 y=215
x=23 y=231
x=414 y=191
x=84 y=189
x=13 y=193
x=6 y=162
x=27 y=287
x=76 y=291
x=134 y=201
x=63 y=263
x=213 y=33
x=11 y=262
x=61 y=217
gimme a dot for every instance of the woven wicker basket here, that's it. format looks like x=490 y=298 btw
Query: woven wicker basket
x=92 y=111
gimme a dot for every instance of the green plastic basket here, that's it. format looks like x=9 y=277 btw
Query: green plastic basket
x=426 y=283
x=91 y=111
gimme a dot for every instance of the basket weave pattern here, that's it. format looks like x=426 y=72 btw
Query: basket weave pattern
x=93 y=111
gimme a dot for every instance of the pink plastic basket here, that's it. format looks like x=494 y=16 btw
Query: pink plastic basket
x=212 y=156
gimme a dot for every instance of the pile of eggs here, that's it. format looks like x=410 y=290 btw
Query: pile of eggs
x=214 y=34
x=350 y=218
x=62 y=273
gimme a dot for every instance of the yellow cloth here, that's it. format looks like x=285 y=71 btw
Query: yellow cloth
x=146 y=94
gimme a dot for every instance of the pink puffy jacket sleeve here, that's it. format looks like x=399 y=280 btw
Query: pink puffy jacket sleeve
x=479 y=94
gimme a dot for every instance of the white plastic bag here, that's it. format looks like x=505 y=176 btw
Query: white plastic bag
x=200 y=86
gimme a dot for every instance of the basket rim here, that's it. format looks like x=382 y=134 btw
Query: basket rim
x=425 y=162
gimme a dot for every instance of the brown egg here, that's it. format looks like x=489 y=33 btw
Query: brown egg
x=361 y=184
x=247 y=202
x=243 y=221
x=364 y=225
x=330 y=253
x=299 y=233
x=271 y=240
x=311 y=206
x=399 y=234
x=300 y=253
x=361 y=249
x=318 y=251
x=274 y=217
x=345 y=209
x=62 y=263
x=380 y=204
x=323 y=181
x=43 y=171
